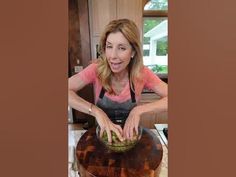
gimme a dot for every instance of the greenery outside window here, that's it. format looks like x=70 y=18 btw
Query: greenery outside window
x=155 y=36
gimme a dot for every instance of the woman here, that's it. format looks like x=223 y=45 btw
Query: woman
x=119 y=77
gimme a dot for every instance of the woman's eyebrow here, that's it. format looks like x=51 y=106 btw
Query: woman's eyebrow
x=107 y=42
x=120 y=44
x=123 y=45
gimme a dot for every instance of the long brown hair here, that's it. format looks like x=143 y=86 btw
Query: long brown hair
x=130 y=31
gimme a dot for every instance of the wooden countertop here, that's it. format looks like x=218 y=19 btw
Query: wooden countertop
x=94 y=159
x=75 y=135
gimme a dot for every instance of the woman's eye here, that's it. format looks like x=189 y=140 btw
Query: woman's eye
x=122 y=48
x=108 y=47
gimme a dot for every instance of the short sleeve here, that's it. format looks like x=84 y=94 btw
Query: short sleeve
x=88 y=74
x=150 y=78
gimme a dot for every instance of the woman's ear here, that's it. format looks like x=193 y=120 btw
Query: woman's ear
x=132 y=54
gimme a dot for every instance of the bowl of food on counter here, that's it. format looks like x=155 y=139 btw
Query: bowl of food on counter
x=116 y=145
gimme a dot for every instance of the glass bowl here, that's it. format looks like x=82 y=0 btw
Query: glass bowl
x=116 y=145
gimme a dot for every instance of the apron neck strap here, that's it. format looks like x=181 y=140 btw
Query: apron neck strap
x=132 y=94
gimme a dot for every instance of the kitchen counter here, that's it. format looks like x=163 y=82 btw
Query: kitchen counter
x=74 y=136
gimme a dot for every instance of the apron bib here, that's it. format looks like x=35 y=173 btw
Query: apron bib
x=117 y=112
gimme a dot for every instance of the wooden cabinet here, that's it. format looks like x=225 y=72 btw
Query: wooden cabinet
x=101 y=12
x=131 y=9
x=79 y=50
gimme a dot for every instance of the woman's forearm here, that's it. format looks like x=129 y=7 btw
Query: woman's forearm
x=158 y=106
x=82 y=105
x=78 y=103
x=104 y=122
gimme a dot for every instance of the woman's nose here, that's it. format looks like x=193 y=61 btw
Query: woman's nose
x=114 y=53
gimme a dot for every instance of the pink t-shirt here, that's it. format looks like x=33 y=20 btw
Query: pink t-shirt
x=88 y=75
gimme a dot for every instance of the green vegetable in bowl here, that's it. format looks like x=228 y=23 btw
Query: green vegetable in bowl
x=117 y=145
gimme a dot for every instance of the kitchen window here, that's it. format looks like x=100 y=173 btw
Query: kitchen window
x=155 y=36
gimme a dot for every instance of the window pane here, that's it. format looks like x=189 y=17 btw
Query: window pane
x=156 y=5
x=155 y=44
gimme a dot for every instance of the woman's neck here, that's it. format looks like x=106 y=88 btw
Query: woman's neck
x=119 y=82
x=120 y=76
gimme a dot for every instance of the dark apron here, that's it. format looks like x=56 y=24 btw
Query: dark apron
x=117 y=112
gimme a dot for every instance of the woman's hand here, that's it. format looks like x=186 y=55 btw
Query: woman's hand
x=107 y=125
x=131 y=123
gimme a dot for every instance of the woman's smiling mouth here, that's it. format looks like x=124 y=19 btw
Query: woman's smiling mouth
x=115 y=66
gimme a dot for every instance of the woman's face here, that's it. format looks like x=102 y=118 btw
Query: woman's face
x=118 y=52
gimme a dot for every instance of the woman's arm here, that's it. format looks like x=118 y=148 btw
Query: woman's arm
x=75 y=84
x=158 y=106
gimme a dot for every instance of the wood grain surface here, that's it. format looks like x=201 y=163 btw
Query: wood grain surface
x=94 y=159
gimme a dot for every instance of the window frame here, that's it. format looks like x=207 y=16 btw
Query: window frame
x=159 y=14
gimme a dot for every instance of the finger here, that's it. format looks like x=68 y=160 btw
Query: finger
x=131 y=132
x=128 y=132
x=136 y=129
x=125 y=131
x=118 y=134
x=101 y=131
x=109 y=135
x=119 y=128
x=129 y=123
